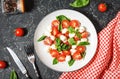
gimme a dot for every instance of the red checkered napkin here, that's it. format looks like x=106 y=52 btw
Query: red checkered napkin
x=106 y=62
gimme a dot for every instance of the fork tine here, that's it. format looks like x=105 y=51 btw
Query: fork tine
x=29 y=48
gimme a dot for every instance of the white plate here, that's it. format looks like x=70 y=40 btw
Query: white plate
x=42 y=50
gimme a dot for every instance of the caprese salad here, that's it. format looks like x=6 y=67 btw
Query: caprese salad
x=67 y=40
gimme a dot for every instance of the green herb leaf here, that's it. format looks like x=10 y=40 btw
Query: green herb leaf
x=58 y=41
x=80 y=3
x=84 y=43
x=55 y=61
x=60 y=27
x=13 y=75
x=77 y=33
x=71 y=62
x=71 y=41
x=62 y=17
x=71 y=30
x=65 y=47
x=83 y=54
x=58 y=44
x=41 y=38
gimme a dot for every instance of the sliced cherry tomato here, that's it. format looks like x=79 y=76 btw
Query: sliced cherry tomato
x=65 y=52
x=55 y=30
x=102 y=7
x=74 y=23
x=55 y=23
x=2 y=64
x=85 y=34
x=58 y=35
x=19 y=32
x=66 y=42
x=65 y=23
x=61 y=58
x=77 y=56
x=76 y=38
x=80 y=49
x=54 y=53
x=48 y=41
x=67 y=34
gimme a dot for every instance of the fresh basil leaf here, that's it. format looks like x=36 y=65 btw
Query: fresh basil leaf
x=71 y=30
x=59 y=48
x=83 y=54
x=65 y=47
x=58 y=41
x=84 y=43
x=13 y=75
x=80 y=3
x=58 y=44
x=55 y=61
x=77 y=33
x=60 y=27
x=71 y=41
x=41 y=38
x=62 y=17
x=71 y=62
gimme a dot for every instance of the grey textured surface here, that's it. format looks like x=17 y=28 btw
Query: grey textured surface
x=31 y=19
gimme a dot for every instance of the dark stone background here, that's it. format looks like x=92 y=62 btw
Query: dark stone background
x=36 y=10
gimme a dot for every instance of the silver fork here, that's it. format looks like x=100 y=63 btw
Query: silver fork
x=29 y=49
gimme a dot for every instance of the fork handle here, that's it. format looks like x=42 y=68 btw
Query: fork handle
x=36 y=72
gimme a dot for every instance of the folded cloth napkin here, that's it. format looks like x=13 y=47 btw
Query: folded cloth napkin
x=106 y=62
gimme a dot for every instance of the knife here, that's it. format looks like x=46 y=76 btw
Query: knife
x=17 y=61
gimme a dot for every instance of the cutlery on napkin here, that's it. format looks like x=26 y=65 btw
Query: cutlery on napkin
x=106 y=62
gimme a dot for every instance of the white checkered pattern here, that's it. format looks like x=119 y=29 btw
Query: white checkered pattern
x=106 y=62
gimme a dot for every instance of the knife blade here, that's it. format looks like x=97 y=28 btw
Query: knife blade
x=17 y=61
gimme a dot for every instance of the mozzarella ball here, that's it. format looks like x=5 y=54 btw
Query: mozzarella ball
x=71 y=35
x=68 y=58
x=63 y=38
x=64 y=30
x=72 y=51
x=83 y=40
x=82 y=29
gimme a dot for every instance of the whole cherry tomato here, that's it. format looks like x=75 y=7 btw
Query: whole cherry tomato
x=102 y=7
x=19 y=32
x=2 y=64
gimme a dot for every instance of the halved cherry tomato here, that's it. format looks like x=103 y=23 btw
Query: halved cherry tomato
x=61 y=58
x=102 y=7
x=54 y=53
x=48 y=41
x=74 y=23
x=84 y=34
x=55 y=30
x=65 y=52
x=65 y=23
x=76 y=38
x=55 y=23
x=58 y=35
x=19 y=32
x=67 y=34
x=2 y=64
x=77 y=56
x=80 y=49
